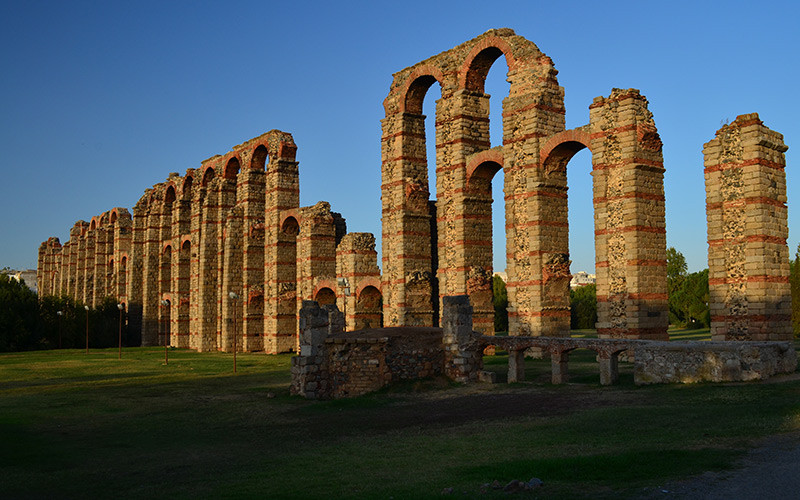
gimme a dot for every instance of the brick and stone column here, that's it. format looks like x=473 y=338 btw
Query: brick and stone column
x=181 y=258
x=250 y=197
x=282 y=194
x=630 y=234
x=463 y=357
x=357 y=262
x=748 y=259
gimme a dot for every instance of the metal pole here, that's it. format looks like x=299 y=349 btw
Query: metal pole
x=165 y=327
x=120 y=307
x=87 y=328
x=233 y=298
x=59 y=313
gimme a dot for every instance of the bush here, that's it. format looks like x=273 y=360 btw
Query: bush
x=583 y=307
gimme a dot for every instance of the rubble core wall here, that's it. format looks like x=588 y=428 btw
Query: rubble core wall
x=748 y=258
x=234 y=224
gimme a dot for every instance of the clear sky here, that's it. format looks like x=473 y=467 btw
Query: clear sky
x=101 y=100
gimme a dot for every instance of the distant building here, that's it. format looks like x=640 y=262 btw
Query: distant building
x=503 y=276
x=28 y=275
x=582 y=278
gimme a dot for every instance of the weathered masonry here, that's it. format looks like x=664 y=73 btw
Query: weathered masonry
x=421 y=266
x=227 y=246
x=232 y=226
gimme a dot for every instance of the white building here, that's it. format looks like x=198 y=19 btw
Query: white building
x=582 y=278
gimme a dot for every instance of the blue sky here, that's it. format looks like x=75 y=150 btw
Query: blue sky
x=101 y=100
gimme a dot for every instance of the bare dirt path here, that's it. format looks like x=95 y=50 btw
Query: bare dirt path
x=770 y=470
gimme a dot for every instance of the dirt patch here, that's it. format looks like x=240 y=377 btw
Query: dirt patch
x=770 y=470
x=458 y=406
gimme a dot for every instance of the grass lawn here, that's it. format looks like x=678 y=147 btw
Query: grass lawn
x=76 y=425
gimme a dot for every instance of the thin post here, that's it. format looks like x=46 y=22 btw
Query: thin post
x=120 y=307
x=87 y=328
x=233 y=298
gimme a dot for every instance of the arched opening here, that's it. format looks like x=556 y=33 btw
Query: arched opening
x=369 y=309
x=575 y=245
x=416 y=102
x=181 y=327
x=232 y=169
x=111 y=282
x=169 y=196
x=113 y=217
x=186 y=192
x=208 y=176
x=165 y=271
x=325 y=296
x=288 y=301
x=122 y=279
x=498 y=88
x=166 y=312
x=260 y=157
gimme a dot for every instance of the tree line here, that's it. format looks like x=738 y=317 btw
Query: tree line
x=29 y=323
x=688 y=297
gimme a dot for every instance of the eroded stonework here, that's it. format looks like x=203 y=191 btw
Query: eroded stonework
x=226 y=247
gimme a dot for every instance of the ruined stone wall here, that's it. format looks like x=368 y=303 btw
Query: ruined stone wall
x=630 y=225
x=748 y=258
x=533 y=110
x=356 y=262
x=336 y=364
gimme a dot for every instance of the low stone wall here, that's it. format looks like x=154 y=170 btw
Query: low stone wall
x=689 y=362
x=366 y=360
x=337 y=364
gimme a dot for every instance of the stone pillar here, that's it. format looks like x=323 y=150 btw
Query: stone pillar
x=407 y=268
x=232 y=310
x=463 y=356
x=748 y=259
x=88 y=266
x=309 y=368
x=516 y=366
x=280 y=276
x=207 y=293
x=129 y=257
x=80 y=262
x=181 y=257
x=151 y=264
x=101 y=255
x=357 y=262
x=630 y=234
x=537 y=248
x=609 y=367
x=559 y=365
x=250 y=197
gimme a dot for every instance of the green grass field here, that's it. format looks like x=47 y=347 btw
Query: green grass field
x=75 y=425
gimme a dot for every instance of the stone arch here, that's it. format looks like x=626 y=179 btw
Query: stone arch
x=418 y=83
x=169 y=194
x=208 y=176
x=186 y=185
x=232 y=168
x=484 y=165
x=373 y=281
x=324 y=295
x=479 y=61
x=563 y=146
x=259 y=158
x=369 y=306
x=290 y=223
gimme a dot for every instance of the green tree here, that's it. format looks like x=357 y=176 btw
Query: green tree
x=19 y=315
x=583 y=307
x=676 y=275
x=692 y=298
x=794 y=282
x=500 y=300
